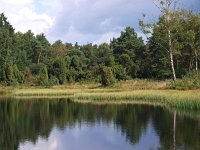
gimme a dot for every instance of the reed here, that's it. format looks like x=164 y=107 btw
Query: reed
x=173 y=98
x=137 y=91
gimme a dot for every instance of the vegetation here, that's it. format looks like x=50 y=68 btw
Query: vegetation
x=189 y=81
x=130 y=92
x=172 y=50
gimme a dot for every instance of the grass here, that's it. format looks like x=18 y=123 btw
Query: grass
x=134 y=91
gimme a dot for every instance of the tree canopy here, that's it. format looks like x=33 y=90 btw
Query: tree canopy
x=31 y=59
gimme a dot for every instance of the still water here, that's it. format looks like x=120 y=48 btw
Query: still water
x=64 y=125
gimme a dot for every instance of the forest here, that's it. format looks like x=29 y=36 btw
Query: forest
x=172 y=51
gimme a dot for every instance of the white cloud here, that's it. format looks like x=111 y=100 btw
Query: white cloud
x=107 y=37
x=17 y=2
x=26 y=19
x=78 y=20
x=22 y=15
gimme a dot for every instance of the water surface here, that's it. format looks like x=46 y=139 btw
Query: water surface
x=64 y=125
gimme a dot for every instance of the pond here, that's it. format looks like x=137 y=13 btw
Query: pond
x=65 y=125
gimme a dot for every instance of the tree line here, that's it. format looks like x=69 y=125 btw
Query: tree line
x=172 y=50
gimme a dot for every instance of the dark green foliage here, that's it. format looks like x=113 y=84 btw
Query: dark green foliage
x=127 y=49
x=107 y=77
x=9 y=74
x=32 y=60
x=40 y=73
x=119 y=72
x=17 y=74
x=76 y=62
x=59 y=70
x=53 y=81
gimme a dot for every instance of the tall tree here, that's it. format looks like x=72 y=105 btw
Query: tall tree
x=168 y=22
x=125 y=48
x=167 y=7
x=6 y=46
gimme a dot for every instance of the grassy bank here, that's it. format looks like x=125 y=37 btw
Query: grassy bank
x=136 y=91
x=139 y=91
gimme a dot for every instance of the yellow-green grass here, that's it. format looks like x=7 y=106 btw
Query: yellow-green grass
x=137 y=91
x=143 y=84
x=177 y=98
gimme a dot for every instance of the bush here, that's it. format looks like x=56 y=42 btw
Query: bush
x=53 y=81
x=119 y=72
x=189 y=81
x=37 y=75
x=17 y=74
x=107 y=77
x=43 y=76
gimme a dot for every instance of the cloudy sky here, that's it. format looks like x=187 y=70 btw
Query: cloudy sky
x=80 y=21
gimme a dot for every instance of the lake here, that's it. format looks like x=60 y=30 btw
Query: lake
x=60 y=124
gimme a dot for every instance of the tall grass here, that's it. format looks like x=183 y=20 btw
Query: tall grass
x=173 y=98
x=143 y=84
x=137 y=91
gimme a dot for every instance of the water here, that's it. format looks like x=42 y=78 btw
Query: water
x=65 y=125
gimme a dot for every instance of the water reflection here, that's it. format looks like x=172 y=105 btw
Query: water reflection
x=61 y=125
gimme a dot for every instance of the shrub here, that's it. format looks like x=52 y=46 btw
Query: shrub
x=39 y=74
x=53 y=81
x=119 y=72
x=107 y=77
x=189 y=81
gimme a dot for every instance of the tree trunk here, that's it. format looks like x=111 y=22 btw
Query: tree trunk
x=168 y=14
x=38 y=60
x=171 y=55
x=196 y=60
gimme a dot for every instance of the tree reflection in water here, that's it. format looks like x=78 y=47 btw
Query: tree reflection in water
x=26 y=120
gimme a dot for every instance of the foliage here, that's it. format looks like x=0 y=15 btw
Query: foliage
x=107 y=77
x=30 y=59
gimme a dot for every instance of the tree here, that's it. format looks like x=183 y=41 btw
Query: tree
x=190 y=36
x=105 y=55
x=107 y=77
x=43 y=48
x=6 y=48
x=168 y=22
x=166 y=7
x=58 y=49
x=59 y=70
x=125 y=48
x=20 y=53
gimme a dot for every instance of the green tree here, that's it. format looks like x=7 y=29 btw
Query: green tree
x=107 y=77
x=6 y=48
x=125 y=49
x=43 y=48
x=59 y=70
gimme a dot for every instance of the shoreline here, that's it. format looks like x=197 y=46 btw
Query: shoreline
x=189 y=99
x=134 y=91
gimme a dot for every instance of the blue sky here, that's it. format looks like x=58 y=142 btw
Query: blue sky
x=81 y=21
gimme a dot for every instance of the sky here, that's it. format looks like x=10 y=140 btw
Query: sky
x=82 y=21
